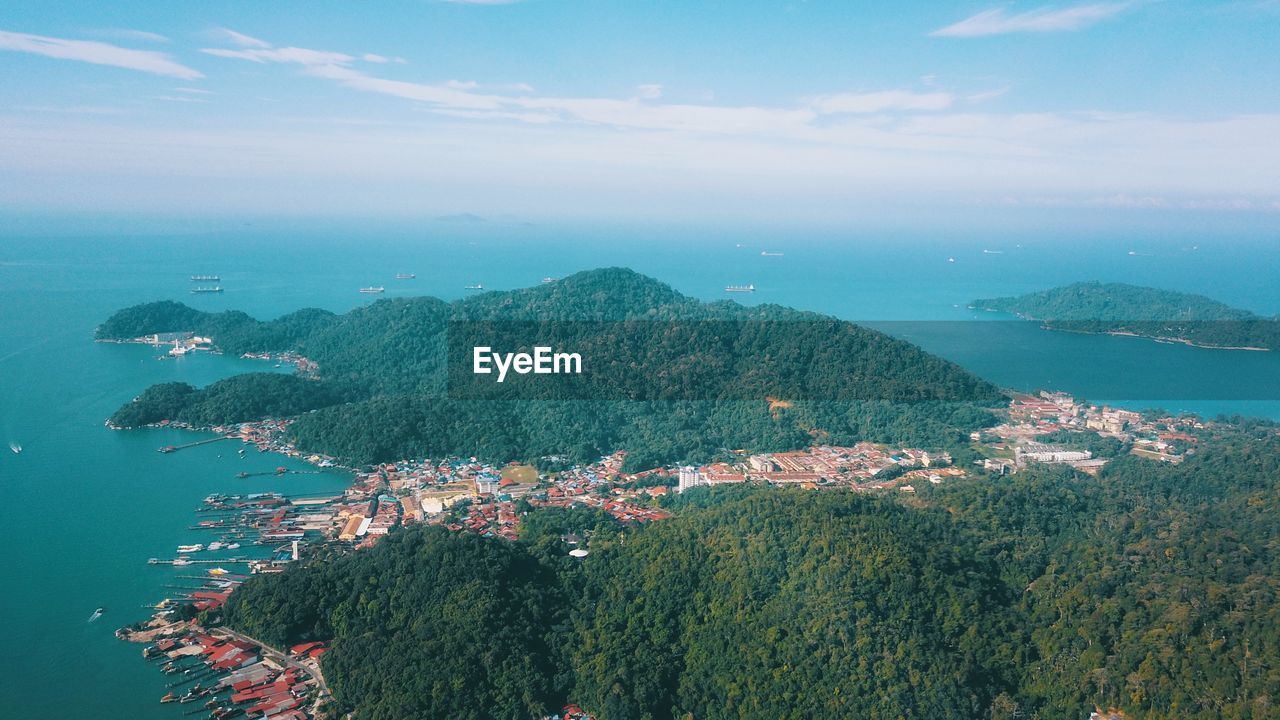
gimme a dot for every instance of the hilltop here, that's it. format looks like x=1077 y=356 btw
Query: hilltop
x=382 y=388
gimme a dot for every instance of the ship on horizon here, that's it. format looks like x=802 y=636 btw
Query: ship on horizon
x=766 y=253
x=205 y=278
x=477 y=286
x=378 y=289
x=214 y=289
x=740 y=288
x=405 y=276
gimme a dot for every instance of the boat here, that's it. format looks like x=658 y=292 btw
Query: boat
x=205 y=278
x=168 y=698
x=233 y=546
x=405 y=276
x=182 y=561
x=548 y=280
x=216 y=545
x=740 y=288
x=97 y=614
x=373 y=290
x=766 y=253
x=477 y=286
x=992 y=252
x=219 y=571
x=951 y=259
x=213 y=289
x=184 y=549
x=16 y=448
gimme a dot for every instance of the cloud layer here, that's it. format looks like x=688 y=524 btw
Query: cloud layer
x=98 y=53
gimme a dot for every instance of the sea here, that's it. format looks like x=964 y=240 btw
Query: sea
x=87 y=506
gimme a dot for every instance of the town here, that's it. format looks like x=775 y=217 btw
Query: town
x=265 y=532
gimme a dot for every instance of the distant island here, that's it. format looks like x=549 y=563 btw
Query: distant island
x=1123 y=309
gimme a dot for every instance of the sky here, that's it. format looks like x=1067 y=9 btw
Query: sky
x=798 y=111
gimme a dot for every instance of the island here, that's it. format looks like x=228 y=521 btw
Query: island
x=1123 y=309
x=882 y=535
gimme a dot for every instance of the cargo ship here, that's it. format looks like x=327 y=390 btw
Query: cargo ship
x=477 y=286
x=205 y=278
x=373 y=289
x=740 y=288
x=214 y=289
x=405 y=276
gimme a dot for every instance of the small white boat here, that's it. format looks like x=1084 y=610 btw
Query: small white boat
x=182 y=561
x=477 y=286
x=216 y=545
x=766 y=253
x=373 y=290
x=96 y=614
x=992 y=252
x=548 y=280
x=951 y=259
x=405 y=276
x=16 y=448
x=184 y=549
x=233 y=546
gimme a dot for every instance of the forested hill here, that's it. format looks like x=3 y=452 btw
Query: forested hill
x=1040 y=595
x=1145 y=311
x=381 y=389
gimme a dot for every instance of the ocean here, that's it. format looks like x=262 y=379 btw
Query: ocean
x=87 y=506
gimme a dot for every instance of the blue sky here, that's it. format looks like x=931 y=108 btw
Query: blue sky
x=829 y=110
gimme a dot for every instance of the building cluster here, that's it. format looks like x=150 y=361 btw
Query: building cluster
x=1018 y=441
x=237 y=676
x=863 y=466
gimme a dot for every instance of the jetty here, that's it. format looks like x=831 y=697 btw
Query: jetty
x=184 y=446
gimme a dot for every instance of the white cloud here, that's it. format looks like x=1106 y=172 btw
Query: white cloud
x=375 y=58
x=98 y=53
x=240 y=38
x=874 y=102
x=651 y=91
x=193 y=91
x=999 y=22
x=299 y=56
x=129 y=34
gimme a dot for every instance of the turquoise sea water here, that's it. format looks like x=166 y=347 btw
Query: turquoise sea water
x=86 y=506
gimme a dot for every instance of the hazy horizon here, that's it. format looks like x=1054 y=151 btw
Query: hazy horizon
x=793 y=112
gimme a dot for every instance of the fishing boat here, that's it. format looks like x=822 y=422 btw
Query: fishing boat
x=184 y=549
x=16 y=448
x=477 y=286
x=740 y=288
x=373 y=290
x=405 y=276
x=97 y=614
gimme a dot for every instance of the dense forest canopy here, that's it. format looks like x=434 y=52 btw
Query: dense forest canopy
x=382 y=387
x=1149 y=312
x=1152 y=589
